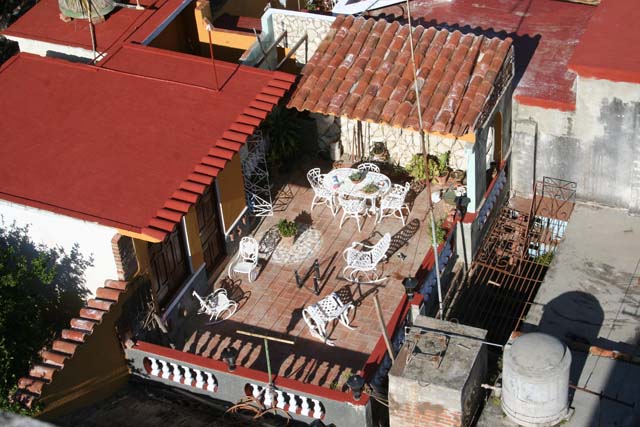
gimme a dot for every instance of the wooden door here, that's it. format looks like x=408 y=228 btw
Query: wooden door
x=497 y=144
x=169 y=266
x=209 y=229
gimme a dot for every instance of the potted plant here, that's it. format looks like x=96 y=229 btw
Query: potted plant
x=443 y=167
x=370 y=188
x=458 y=175
x=416 y=168
x=379 y=151
x=287 y=230
x=357 y=177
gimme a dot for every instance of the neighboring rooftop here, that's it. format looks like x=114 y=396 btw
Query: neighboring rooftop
x=608 y=49
x=43 y=23
x=361 y=71
x=116 y=146
x=545 y=33
x=590 y=297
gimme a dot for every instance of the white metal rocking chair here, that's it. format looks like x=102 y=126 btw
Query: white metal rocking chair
x=246 y=261
x=365 y=260
x=317 y=316
x=216 y=305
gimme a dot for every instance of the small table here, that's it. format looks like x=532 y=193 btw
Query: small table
x=346 y=187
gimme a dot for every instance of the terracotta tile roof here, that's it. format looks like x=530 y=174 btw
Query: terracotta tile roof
x=362 y=71
x=65 y=346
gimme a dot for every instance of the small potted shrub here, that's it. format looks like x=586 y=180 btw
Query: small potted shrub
x=416 y=169
x=370 y=188
x=443 y=168
x=357 y=177
x=287 y=230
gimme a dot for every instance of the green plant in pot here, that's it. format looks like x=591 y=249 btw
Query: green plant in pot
x=357 y=177
x=370 y=188
x=416 y=168
x=283 y=127
x=288 y=230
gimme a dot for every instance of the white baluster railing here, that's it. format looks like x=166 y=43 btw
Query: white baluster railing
x=285 y=400
x=182 y=374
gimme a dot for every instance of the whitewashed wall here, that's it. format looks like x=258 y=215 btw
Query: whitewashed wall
x=53 y=230
x=401 y=143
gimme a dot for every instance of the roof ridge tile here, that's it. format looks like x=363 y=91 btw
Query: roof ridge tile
x=66 y=345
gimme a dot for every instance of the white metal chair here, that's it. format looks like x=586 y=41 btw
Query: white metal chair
x=246 y=260
x=369 y=167
x=393 y=203
x=352 y=208
x=321 y=194
x=317 y=316
x=365 y=260
x=216 y=305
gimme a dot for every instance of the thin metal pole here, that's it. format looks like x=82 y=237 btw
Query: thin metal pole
x=266 y=352
x=384 y=328
x=209 y=28
x=425 y=153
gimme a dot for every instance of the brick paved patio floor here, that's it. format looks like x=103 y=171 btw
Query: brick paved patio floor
x=272 y=305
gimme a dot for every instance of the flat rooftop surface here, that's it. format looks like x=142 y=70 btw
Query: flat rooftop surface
x=112 y=146
x=590 y=294
x=602 y=55
x=41 y=22
x=272 y=305
x=545 y=34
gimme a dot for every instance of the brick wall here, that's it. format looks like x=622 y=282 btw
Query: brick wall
x=411 y=414
x=124 y=255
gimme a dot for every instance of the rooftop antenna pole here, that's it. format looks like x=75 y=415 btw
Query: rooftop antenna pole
x=209 y=27
x=425 y=153
x=266 y=338
x=91 y=31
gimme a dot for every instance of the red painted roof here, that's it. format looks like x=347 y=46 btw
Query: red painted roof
x=555 y=26
x=609 y=48
x=125 y=150
x=360 y=71
x=42 y=23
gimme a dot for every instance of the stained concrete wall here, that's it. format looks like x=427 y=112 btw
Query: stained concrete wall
x=597 y=145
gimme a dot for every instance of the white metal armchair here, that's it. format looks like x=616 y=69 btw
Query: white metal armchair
x=352 y=208
x=216 y=305
x=317 y=316
x=320 y=194
x=393 y=203
x=365 y=260
x=369 y=167
x=246 y=261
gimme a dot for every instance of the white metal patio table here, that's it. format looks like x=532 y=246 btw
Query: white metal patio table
x=338 y=181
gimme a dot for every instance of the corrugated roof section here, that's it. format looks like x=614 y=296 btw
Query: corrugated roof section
x=362 y=70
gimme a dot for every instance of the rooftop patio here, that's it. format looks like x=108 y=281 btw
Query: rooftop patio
x=272 y=305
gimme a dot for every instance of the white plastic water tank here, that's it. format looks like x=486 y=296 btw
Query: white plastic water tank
x=535 y=380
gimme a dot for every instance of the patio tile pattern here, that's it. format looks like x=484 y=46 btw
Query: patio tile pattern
x=362 y=71
x=272 y=305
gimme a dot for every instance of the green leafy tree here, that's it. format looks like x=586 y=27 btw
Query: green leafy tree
x=41 y=289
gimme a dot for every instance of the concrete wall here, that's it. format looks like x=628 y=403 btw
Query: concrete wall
x=52 y=230
x=41 y=48
x=597 y=145
x=297 y=24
